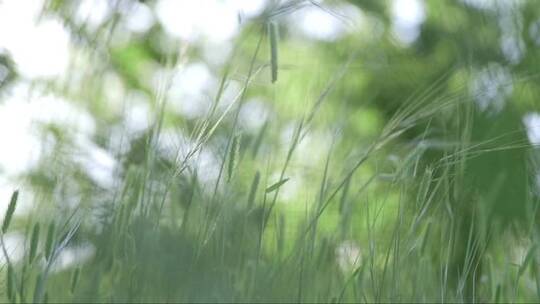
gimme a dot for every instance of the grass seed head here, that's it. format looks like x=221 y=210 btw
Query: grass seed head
x=277 y=185
x=49 y=242
x=10 y=210
x=34 y=241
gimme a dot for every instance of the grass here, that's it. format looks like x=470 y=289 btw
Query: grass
x=390 y=219
x=230 y=247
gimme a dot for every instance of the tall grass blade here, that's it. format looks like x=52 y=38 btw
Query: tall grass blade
x=38 y=289
x=253 y=189
x=258 y=140
x=10 y=284
x=498 y=294
x=75 y=279
x=49 y=242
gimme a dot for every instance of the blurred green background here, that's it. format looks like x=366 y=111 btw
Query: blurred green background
x=264 y=150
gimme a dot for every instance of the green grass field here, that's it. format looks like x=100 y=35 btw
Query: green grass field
x=352 y=169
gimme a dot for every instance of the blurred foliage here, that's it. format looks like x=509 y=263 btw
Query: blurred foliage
x=410 y=174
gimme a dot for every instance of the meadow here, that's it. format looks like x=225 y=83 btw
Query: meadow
x=365 y=161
